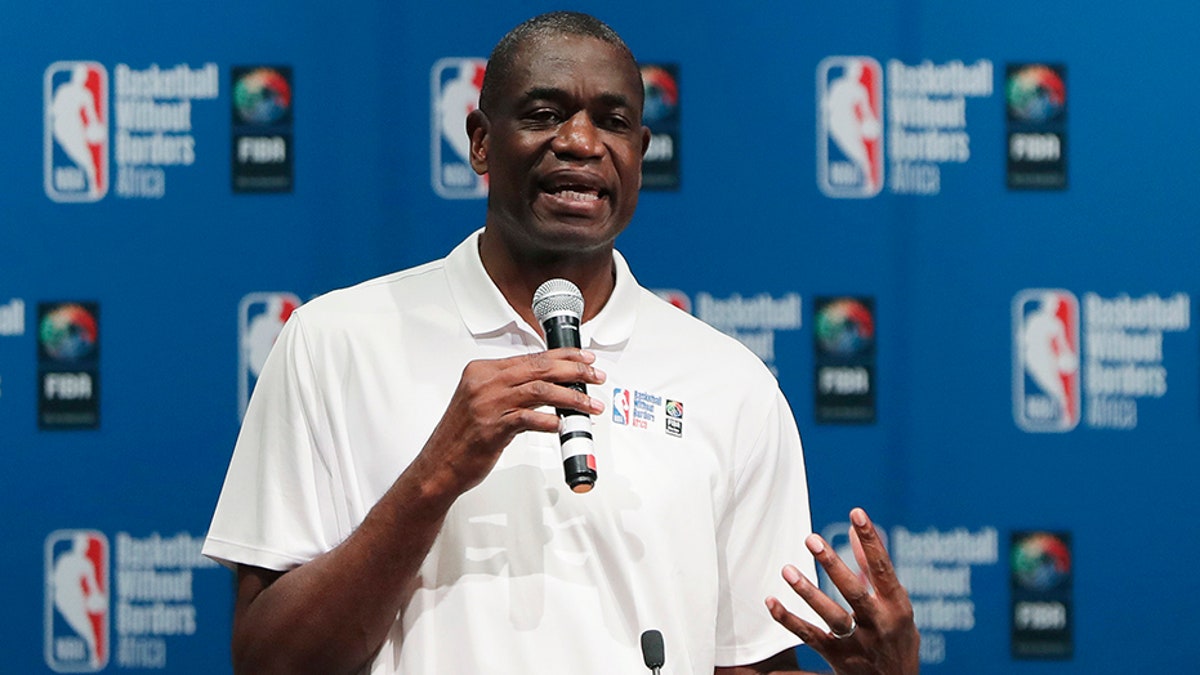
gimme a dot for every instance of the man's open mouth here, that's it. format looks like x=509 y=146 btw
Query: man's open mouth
x=576 y=193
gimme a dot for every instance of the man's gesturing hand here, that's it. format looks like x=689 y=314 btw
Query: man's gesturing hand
x=496 y=400
x=879 y=637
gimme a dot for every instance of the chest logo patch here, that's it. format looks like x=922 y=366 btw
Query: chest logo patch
x=642 y=410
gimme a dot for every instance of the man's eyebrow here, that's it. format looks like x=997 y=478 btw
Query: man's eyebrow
x=543 y=92
x=614 y=100
x=609 y=99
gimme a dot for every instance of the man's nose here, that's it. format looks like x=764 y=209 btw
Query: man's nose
x=578 y=137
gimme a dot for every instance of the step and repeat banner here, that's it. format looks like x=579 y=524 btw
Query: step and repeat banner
x=964 y=238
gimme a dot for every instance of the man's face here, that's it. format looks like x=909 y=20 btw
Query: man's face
x=563 y=146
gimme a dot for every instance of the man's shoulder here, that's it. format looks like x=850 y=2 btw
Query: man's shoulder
x=668 y=326
x=391 y=293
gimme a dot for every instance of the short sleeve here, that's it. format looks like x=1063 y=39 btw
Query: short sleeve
x=763 y=529
x=276 y=508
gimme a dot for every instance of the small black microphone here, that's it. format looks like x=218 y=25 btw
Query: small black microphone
x=558 y=306
x=653 y=652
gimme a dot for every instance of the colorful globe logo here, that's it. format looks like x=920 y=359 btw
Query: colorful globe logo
x=845 y=327
x=1041 y=561
x=1035 y=93
x=262 y=96
x=68 y=333
x=662 y=94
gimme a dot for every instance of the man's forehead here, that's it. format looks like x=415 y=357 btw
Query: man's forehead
x=561 y=50
x=556 y=65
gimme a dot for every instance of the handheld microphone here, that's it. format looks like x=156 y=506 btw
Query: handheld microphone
x=558 y=307
x=653 y=652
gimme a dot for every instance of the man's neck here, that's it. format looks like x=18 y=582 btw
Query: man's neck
x=518 y=276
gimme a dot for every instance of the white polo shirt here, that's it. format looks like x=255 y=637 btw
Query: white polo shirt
x=701 y=496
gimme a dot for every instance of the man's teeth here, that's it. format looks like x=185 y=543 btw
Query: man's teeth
x=578 y=196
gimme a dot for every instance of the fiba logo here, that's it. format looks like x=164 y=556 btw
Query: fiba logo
x=1041 y=561
x=662 y=95
x=1035 y=93
x=850 y=126
x=260 y=319
x=263 y=96
x=1046 y=390
x=661 y=113
x=69 y=332
x=455 y=83
x=844 y=327
x=77 y=601
x=76 y=131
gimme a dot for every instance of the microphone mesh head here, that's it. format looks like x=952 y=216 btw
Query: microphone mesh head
x=557 y=297
x=653 y=652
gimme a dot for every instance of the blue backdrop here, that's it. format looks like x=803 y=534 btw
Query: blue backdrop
x=962 y=234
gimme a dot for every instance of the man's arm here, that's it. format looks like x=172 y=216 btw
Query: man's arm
x=331 y=614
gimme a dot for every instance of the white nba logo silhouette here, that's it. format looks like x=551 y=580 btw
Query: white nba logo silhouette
x=260 y=319
x=850 y=126
x=77 y=593
x=1046 y=393
x=76 y=126
x=455 y=86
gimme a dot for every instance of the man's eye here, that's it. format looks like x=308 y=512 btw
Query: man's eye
x=616 y=123
x=613 y=120
x=543 y=116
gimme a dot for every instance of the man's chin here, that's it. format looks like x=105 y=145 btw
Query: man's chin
x=575 y=235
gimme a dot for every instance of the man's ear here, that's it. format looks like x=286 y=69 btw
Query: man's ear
x=645 y=146
x=477 y=130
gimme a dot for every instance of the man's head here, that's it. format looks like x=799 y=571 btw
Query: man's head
x=559 y=133
x=552 y=24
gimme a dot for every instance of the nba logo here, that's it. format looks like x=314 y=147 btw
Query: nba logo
x=456 y=83
x=850 y=126
x=1046 y=393
x=260 y=319
x=676 y=297
x=620 y=407
x=77 y=599
x=76 y=131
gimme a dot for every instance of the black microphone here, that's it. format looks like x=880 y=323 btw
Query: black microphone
x=558 y=306
x=653 y=652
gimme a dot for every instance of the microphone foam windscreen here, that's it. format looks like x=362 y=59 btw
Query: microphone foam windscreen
x=652 y=649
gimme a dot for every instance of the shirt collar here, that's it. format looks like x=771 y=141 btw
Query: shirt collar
x=484 y=309
x=614 y=324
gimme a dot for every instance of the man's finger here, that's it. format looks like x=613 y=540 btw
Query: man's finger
x=852 y=588
x=860 y=556
x=813 y=636
x=572 y=354
x=564 y=365
x=875 y=561
x=541 y=393
x=562 y=354
x=837 y=618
